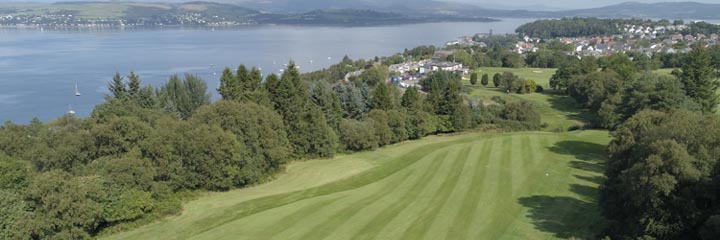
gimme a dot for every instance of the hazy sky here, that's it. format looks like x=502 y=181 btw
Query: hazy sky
x=506 y=4
x=564 y=4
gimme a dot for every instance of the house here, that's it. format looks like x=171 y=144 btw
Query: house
x=445 y=66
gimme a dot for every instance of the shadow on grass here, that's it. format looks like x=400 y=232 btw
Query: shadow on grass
x=564 y=217
x=567 y=105
x=592 y=179
x=585 y=151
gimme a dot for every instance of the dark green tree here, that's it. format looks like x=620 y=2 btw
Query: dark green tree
x=381 y=97
x=485 y=80
x=497 y=79
x=117 y=87
x=473 y=78
x=699 y=79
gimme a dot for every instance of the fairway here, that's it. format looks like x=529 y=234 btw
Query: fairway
x=471 y=186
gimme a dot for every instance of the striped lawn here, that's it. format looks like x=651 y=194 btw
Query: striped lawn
x=470 y=186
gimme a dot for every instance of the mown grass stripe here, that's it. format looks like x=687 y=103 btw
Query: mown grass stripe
x=442 y=221
x=498 y=215
x=373 y=227
x=422 y=224
x=465 y=214
x=254 y=206
x=294 y=218
x=353 y=208
x=489 y=188
x=327 y=227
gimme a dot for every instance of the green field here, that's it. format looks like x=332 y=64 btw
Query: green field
x=528 y=185
x=471 y=186
x=560 y=112
x=540 y=75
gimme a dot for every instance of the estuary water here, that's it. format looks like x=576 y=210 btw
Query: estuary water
x=40 y=68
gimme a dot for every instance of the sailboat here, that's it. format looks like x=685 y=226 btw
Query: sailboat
x=77 y=90
x=70 y=110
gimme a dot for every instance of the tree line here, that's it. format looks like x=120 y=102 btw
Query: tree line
x=146 y=150
x=662 y=173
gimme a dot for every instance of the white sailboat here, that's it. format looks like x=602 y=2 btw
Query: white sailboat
x=77 y=90
x=70 y=110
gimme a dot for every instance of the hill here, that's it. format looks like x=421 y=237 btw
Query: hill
x=523 y=185
x=667 y=10
x=75 y=14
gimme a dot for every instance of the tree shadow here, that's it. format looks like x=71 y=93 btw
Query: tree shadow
x=564 y=217
x=585 y=151
x=588 y=166
x=599 y=180
x=567 y=105
x=588 y=192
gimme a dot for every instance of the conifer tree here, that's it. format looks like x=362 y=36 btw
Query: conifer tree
x=117 y=87
x=698 y=78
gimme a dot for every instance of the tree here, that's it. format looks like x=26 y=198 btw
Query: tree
x=412 y=100
x=64 y=207
x=511 y=82
x=660 y=174
x=228 y=85
x=183 y=96
x=381 y=97
x=375 y=75
x=357 y=136
x=117 y=87
x=473 y=78
x=529 y=86
x=259 y=128
x=324 y=97
x=133 y=85
x=698 y=78
x=308 y=131
x=497 y=79
x=14 y=174
x=592 y=89
x=485 y=80
x=354 y=101
x=12 y=209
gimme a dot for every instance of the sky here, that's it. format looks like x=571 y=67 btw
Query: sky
x=561 y=4
x=503 y=4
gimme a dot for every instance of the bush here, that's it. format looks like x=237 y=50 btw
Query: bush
x=357 y=136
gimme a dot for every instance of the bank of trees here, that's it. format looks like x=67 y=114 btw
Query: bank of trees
x=145 y=150
x=662 y=170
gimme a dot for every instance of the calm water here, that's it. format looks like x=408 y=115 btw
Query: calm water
x=39 y=69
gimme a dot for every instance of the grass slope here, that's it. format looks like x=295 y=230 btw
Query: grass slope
x=489 y=186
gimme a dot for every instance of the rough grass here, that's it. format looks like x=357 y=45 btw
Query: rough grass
x=472 y=186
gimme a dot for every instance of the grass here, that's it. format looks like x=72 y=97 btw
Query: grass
x=540 y=75
x=528 y=185
x=558 y=111
x=490 y=186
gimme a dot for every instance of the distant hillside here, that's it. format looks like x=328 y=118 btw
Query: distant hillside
x=668 y=10
x=685 y=10
x=88 y=14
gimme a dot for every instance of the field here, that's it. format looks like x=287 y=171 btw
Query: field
x=490 y=186
x=528 y=185
x=540 y=75
x=560 y=112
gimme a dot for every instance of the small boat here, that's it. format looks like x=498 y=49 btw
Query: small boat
x=77 y=90
x=70 y=110
x=329 y=58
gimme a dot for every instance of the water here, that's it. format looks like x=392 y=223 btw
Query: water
x=39 y=69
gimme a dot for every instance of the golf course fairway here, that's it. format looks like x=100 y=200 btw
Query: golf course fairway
x=527 y=185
